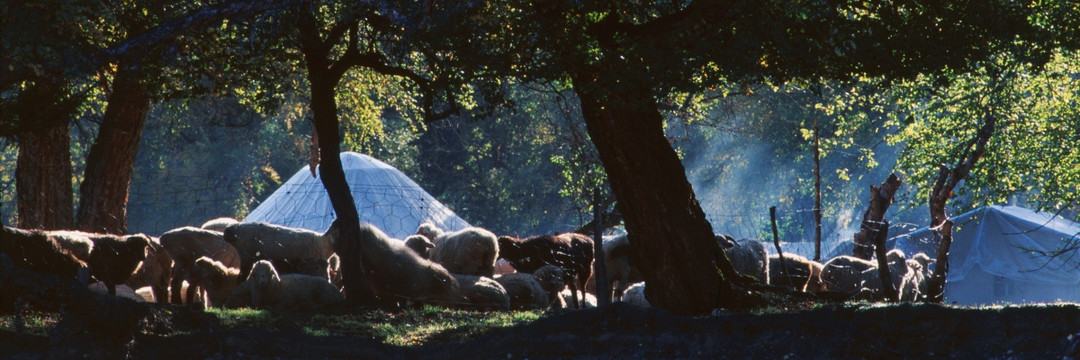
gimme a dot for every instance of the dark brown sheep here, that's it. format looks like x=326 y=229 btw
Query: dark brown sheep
x=571 y=252
x=115 y=257
x=35 y=250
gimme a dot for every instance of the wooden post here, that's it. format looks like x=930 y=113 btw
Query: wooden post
x=888 y=291
x=880 y=199
x=936 y=291
x=776 y=242
x=603 y=286
x=817 y=194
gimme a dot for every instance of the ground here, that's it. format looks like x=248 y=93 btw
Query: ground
x=626 y=332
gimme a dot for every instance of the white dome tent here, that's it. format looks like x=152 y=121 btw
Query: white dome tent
x=993 y=258
x=384 y=197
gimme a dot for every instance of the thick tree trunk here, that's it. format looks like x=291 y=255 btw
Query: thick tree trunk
x=325 y=119
x=43 y=168
x=880 y=199
x=672 y=240
x=104 y=191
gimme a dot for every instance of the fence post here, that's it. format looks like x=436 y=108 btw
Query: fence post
x=603 y=286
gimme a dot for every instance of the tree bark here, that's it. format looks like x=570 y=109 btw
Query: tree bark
x=325 y=119
x=880 y=199
x=672 y=240
x=888 y=289
x=947 y=180
x=104 y=191
x=43 y=167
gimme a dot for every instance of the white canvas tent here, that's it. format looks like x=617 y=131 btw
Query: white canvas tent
x=993 y=257
x=384 y=197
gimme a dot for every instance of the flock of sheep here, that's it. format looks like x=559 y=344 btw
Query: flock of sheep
x=225 y=263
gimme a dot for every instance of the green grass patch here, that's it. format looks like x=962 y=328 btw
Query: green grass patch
x=408 y=327
x=34 y=323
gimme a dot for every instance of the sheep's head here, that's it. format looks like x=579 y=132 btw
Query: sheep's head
x=725 y=241
x=429 y=230
x=509 y=248
x=137 y=244
x=263 y=276
x=420 y=244
x=207 y=271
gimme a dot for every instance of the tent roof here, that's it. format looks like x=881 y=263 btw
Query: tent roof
x=1003 y=241
x=384 y=197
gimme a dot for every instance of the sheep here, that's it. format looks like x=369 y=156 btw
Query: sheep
x=278 y=243
x=314 y=266
x=333 y=266
x=470 y=251
x=38 y=251
x=121 y=290
x=187 y=244
x=155 y=271
x=219 y=224
x=429 y=231
x=858 y=277
x=571 y=252
x=290 y=291
x=480 y=292
x=747 y=256
x=420 y=244
x=216 y=279
x=566 y=296
x=524 y=290
x=77 y=242
x=552 y=279
x=914 y=286
x=503 y=267
x=115 y=258
x=620 y=270
x=396 y=272
x=635 y=295
x=805 y=273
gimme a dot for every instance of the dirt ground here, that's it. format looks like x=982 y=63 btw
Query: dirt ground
x=626 y=332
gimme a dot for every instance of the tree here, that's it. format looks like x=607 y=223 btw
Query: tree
x=621 y=58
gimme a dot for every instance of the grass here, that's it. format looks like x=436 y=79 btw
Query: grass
x=408 y=327
x=34 y=323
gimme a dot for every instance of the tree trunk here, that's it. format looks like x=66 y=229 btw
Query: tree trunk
x=880 y=199
x=43 y=167
x=888 y=289
x=325 y=120
x=104 y=191
x=672 y=240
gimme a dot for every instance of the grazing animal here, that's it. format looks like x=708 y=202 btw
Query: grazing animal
x=155 y=271
x=481 y=293
x=290 y=291
x=620 y=270
x=420 y=244
x=216 y=279
x=470 y=251
x=571 y=252
x=396 y=272
x=257 y=240
x=524 y=290
x=37 y=251
x=115 y=258
x=805 y=273
x=187 y=244
x=747 y=256
x=219 y=224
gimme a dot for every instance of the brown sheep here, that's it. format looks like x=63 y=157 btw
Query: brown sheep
x=573 y=253
x=155 y=271
x=187 y=244
x=805 y=273
x=257 y=240
x=37 y=251
x=115 y=258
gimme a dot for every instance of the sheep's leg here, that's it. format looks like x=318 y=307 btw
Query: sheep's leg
x=111 y=287
x=161 y=294
x=176 y=286
x=573 y=293
x=191 y=293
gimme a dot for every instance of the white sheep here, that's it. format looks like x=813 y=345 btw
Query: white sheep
x=187 y=244
x=858 y=277
x=215 y=279
x=258 y=240
x=567 y=297
x=747 y=256
x=290 y=291
x=635 y=295
x=420 y=244
x=429 y=231
x=914 y=286
x=480 y=292
x=524 y=290
x=470 y=251
x=396 y=272
x=219 y=224
x=77 y=242
x=620 y=270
